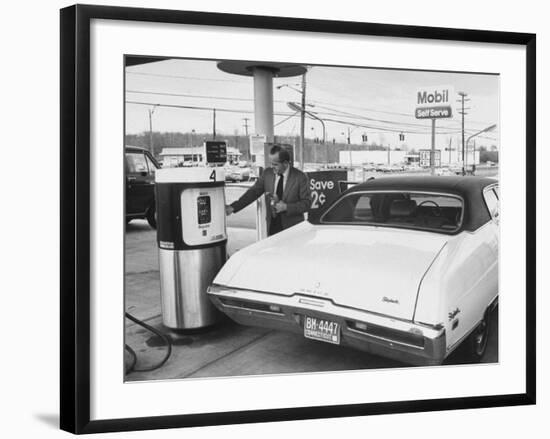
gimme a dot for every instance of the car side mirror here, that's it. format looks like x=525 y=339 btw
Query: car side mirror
x=143 y=173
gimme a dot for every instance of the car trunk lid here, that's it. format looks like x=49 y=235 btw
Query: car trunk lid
x=369 y=268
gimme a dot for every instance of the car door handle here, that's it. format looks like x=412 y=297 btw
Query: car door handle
x=131 y=178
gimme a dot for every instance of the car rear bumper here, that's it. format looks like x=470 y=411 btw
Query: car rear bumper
x=377 y=334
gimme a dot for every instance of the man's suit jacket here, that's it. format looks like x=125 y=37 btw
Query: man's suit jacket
x=296 y=195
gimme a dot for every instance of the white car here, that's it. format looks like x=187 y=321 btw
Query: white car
x=444 y=171
x=238 y=173
x=402 y=267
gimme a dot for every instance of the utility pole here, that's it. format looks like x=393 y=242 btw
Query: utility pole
x=485 y=130
x=303 y=123
x=151 y=111
x=432 y=153
x=214 y=125
x=326 y=152
x=246 y=119
x=294 y=106
x=192 y=145
x=462 y=100
x=474 y=159
x=349 y=148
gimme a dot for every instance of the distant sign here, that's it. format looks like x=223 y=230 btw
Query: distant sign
x=433 y=112
x=324 y=187
x=216 y=151
x=257 y=144
x=434 y=102
x=425 y=158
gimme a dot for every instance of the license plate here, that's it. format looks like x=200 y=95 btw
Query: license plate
x=323 y=330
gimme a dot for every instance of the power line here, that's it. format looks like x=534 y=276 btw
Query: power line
x=382 y=111
x=189 y=107
x=337 y=112
x=357 y=116
x=450 y=130
x=229 y=98
x=288 y=116
x=386 y=129
x=284 y=120
x=396 y=113
x=244 y=99
x=186 y=95
x=187 y=77
x=194 y=107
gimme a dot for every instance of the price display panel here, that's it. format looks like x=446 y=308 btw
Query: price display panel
x=203 y=209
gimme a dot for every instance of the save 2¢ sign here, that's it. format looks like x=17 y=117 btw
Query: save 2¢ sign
x=325 y=188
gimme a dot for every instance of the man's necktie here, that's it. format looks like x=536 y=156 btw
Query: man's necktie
x=279 y=190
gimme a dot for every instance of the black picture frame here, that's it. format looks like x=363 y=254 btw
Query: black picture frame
x=75 y=215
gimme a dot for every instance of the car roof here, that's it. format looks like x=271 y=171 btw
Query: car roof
x=459 y=185
x=469 y=188
x=136 y=148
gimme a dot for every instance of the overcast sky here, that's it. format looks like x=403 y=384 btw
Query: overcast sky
x=376 y=102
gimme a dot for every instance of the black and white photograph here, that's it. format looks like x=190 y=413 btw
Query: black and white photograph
x=272 y=219
x=290 y=218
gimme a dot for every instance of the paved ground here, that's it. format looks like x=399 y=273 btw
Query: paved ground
x=230 y=349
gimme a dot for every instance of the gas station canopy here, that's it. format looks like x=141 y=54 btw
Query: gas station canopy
x=246 y=68
x=135 y=60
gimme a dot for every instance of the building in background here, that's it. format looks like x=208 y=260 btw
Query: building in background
x=185 y=156
x=399 y=157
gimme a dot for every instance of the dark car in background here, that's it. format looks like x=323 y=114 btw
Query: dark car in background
x=140 y=167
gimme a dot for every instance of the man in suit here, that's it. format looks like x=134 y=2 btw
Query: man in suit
x=287 y=189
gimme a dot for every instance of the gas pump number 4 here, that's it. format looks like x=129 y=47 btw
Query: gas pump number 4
x=317 y=192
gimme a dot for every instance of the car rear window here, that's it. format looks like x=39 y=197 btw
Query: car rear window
x=136 y=162
x=424 y=211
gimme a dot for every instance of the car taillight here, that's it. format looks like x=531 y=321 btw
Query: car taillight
x=413 y=337
x=245 y=304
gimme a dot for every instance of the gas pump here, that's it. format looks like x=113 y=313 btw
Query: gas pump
x=191 y=238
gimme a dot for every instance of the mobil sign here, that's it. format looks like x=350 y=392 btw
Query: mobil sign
x=434 y=102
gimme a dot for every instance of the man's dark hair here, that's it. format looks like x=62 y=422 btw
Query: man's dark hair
x=283 y=154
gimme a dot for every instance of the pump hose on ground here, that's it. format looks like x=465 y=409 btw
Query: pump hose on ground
x=167 y=340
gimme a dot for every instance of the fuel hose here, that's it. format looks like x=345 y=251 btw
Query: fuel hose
x=166 y=338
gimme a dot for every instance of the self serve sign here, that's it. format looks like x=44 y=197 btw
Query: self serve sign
x=434 y=102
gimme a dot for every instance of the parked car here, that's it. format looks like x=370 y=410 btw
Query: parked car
x=444 y=170
x=390 y=168
x=455 y=169
x=402 y=267
x=140 y=185
x=238 y=173
x=369 y=167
